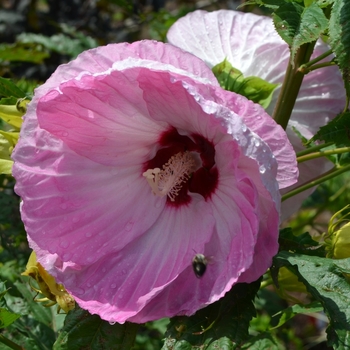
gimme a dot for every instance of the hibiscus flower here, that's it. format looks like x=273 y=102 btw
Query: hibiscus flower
x=251 y=44
x=131 y=161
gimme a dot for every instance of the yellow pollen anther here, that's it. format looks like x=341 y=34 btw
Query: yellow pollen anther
x=168 y=181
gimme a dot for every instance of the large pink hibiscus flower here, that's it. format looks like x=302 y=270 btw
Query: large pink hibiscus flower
x=251 y=44
x=131 y=161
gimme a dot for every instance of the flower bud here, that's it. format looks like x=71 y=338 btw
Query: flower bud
x=337 y=240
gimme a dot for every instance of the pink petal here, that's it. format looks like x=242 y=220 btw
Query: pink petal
x=75 y=210
x=140 y=53
x=184 y=109
x=234 y=236
x=135 y=275
x=103 y=119
x=255 y=117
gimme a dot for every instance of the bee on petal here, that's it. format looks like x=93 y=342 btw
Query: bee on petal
x=199 y=264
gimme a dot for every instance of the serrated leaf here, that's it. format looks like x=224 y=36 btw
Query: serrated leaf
x=222 y=344
x=263 y=341
x=253 y=88
x=7 y=317
x=339 y=38
x=272 y=4
x=228 y=318
x=336 y=131
x=326 y=280
x=84 y=331
x=298 y=25
x=322 y=3
x=8 y=88
x=288 y=313
x=287 y=20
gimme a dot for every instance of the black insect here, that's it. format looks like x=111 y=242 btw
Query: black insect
x=199 y=264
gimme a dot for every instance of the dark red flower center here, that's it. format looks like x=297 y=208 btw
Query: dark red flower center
x=183 y=164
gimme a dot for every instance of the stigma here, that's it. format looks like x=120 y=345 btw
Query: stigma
x=169 y=180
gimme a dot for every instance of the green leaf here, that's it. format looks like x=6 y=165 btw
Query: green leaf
x=298 y=25
x=34 y=330
x=296 y=309
x=60 y=43
x=321 y=3
x=28 y=305
x=272 y=4
x=263 y=341
x=84 y=331
x=223 y=322
x=337 y=131
x=8 y=88
x=299 y=244
x=22 y=53
x=3 y=291
x=8 y=100
x=223 y=343
x=339 y=38
x=253 y=88
x=7 y=317
x=326 y=280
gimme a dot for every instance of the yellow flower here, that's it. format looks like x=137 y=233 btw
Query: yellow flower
x=288 y=283
x=53 y=292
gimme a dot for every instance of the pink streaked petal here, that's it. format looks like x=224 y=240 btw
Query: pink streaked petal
x=229 y=250
x=101 y=59
x=267 y=212
x=214 y=36
x=187 y=110
x=104 y=119
x=266 y=246
x=85 y=210
x=135 y=275
x=255 y=117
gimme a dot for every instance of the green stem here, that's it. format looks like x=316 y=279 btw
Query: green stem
x=323 y=154
x=318 y=66
x=305 y=67
x=313 y=149
x=329 y=175
x=10 y=343
x=291 y=85
x=266 y=283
